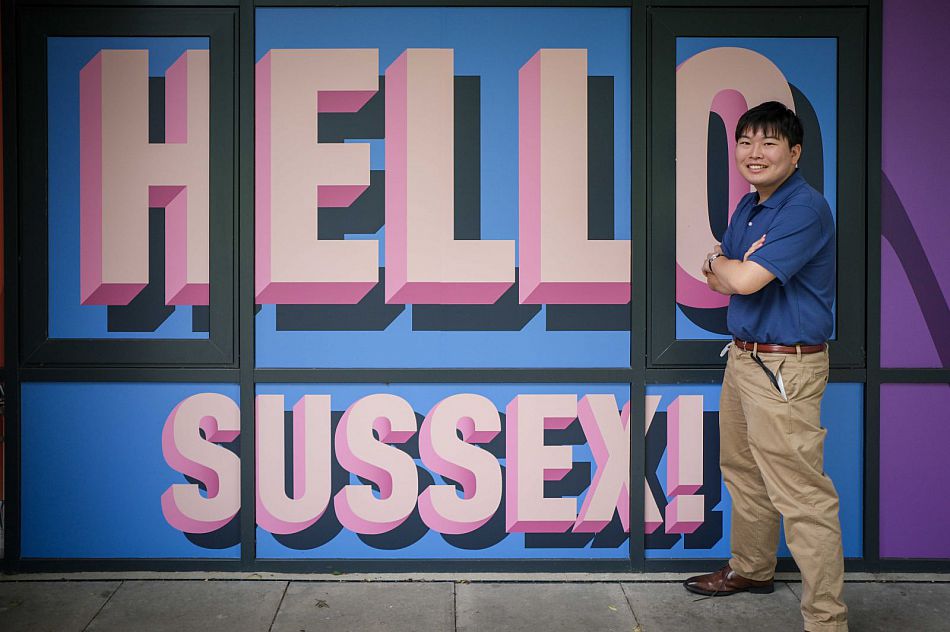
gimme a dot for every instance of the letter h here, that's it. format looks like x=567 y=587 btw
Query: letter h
x=122 y=175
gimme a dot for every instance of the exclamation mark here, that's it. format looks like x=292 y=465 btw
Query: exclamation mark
x=684 y=465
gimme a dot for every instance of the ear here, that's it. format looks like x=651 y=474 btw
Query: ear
x=796 y=154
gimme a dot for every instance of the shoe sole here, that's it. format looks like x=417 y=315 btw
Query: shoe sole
x=755 y=590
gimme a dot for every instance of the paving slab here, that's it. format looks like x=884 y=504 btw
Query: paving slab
x=350 y=607
x=796 y=587
x=670 y=608
x=51 y=606
x=889 y=607
x=176 y=606
x=542 y=607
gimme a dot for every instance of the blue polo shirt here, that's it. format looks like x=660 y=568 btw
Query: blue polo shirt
x=795 y=307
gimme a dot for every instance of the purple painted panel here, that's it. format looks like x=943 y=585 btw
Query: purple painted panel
x=915 y=470
x=915 y=271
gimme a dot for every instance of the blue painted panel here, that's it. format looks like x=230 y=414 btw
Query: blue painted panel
x=491 y=44
x=94 y=473
x=327 y=539
x=842 y=412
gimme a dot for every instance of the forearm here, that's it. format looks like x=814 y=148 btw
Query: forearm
x=736 y=277
x=716 y=285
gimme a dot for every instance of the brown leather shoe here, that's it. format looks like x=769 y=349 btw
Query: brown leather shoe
x=725 y=582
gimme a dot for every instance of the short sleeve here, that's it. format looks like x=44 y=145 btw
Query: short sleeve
x=792 y=240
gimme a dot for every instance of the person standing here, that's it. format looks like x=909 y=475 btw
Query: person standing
x=777 y=264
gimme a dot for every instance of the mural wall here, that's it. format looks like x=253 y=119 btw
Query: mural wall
x=915 y=284
x=915 y=277
x=444 y=200
x=406 y=217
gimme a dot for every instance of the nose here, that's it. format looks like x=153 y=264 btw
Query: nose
x=755 y=151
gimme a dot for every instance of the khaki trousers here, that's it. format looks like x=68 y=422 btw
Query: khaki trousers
x=771 y=455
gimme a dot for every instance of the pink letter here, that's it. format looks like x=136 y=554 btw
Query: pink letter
x=652 y=518
x=295 y=174
x=684 y=467
x=530 y=463
x=726 y=81
x=122 y=175
x=424 y=261
x=685 y=514
x=608 y=433
x=218 y=468
x=474 y=469
x=275 y=511
x=685 y=445
x=391 y=469
x=558 y=264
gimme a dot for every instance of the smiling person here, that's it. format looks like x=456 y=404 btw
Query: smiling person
x=777 y=264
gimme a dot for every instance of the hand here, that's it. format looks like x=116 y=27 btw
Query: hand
x=706 y=269
x=758 y=244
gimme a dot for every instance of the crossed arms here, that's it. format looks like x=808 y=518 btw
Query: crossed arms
x=732 y=276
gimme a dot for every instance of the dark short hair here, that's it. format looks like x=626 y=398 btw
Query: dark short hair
x=772 y=119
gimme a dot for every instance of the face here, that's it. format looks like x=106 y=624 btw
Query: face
x=765 y=161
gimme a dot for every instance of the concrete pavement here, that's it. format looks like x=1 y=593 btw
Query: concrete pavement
x=238 y=602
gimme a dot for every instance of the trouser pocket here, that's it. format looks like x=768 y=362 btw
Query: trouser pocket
x=771 y=377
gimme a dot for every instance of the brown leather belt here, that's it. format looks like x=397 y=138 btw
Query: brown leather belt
x=769 y=348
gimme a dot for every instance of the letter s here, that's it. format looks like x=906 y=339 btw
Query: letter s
x=218 y=468
x=393 y=471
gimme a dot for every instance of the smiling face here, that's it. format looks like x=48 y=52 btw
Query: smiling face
x=765 y=161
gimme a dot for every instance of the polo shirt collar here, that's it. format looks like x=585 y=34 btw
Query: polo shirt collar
x=781 y=194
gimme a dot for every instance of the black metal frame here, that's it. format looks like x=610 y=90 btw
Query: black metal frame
x=872 y=387
x=35 y=24
x=645 y=178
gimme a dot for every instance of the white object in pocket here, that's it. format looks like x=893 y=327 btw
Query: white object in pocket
x=781 y=383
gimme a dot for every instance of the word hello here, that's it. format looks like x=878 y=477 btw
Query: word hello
x=122 y=175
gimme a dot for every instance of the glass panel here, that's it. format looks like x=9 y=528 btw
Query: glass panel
x=442 y=471
x=128 y=187
x=103 y=465
x=717 y=79
x=416 y=256
x=700 y=528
